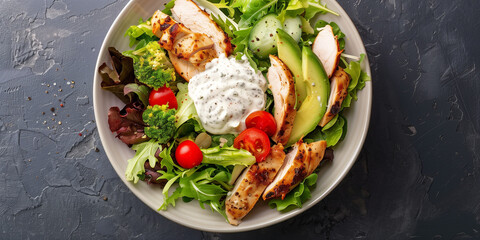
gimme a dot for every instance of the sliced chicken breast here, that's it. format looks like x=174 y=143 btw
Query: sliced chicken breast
x=300 y=162
x=189 y=51
x=250 y=185
x=197 y=20
x=327 y=49
x=181 y=41
x=282 y=84
x=338 y=91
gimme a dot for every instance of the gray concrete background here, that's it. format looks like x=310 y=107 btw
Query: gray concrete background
x=417 y=176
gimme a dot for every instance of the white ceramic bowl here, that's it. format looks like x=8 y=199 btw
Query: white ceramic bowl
x=190 y=214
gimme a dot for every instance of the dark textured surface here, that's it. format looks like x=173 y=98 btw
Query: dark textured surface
x=417 y=176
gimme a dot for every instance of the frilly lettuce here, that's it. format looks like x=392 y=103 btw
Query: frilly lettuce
x=136 y=165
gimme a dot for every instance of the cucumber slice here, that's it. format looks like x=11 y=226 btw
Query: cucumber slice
x=293 y=26
x=262 y=38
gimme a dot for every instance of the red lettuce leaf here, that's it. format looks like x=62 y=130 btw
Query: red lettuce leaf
x=122 y=73
x=128 y=123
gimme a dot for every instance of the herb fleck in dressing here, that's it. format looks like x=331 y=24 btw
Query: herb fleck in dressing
x=226 y=93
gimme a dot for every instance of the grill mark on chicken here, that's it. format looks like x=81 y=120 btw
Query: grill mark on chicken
x=174 y=28
x=281 y=132
x=281 y=190
x=300 y=174
x=335 y=108
x=164 y=26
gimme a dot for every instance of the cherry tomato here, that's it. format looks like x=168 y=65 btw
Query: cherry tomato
x=255 y=141
x=263 y=121
x=163 y=96
x=188 y=154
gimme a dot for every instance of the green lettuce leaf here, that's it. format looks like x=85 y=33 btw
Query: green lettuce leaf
x=295 y=198
x=332 y=134
x=358 y=79
x=206 y=183
x=223 y=4
x=141 y=32
x=253 y=10
x=307 y=8
x=186 y=108
x=168 y=7
x=168 y=163
x=136 y=165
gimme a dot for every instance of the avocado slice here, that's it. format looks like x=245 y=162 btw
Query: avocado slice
x=291 y=55
x=315 y=104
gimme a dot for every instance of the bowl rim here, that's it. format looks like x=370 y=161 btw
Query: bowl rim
x=285 y=216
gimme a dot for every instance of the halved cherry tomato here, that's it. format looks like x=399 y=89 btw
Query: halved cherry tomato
x=255 y=141
x=188 y=154
x=163 y=96
x=263 y=121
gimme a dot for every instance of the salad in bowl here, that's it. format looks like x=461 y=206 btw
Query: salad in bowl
x=231 y=103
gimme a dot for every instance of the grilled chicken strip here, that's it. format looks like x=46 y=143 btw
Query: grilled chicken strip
x=197 y=20
x=250 y=185
x=197 y=48
x=338 y=91
x=300 y=162
x=282 y=84
x=189 y=51
x=327 y=49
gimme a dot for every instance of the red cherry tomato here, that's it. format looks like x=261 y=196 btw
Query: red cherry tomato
x=163 y=96
x=188 y=154
x=263 y=121
x=255 y=141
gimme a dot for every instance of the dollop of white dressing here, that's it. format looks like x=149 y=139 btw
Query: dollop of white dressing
x=226 y=93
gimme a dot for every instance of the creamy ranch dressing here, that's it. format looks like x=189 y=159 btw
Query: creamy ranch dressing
x=226 y=93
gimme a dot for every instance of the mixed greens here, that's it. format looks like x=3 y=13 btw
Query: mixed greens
x=157 y=131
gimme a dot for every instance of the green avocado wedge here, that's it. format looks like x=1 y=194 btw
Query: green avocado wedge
x=291 y=55
x=315 y=104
